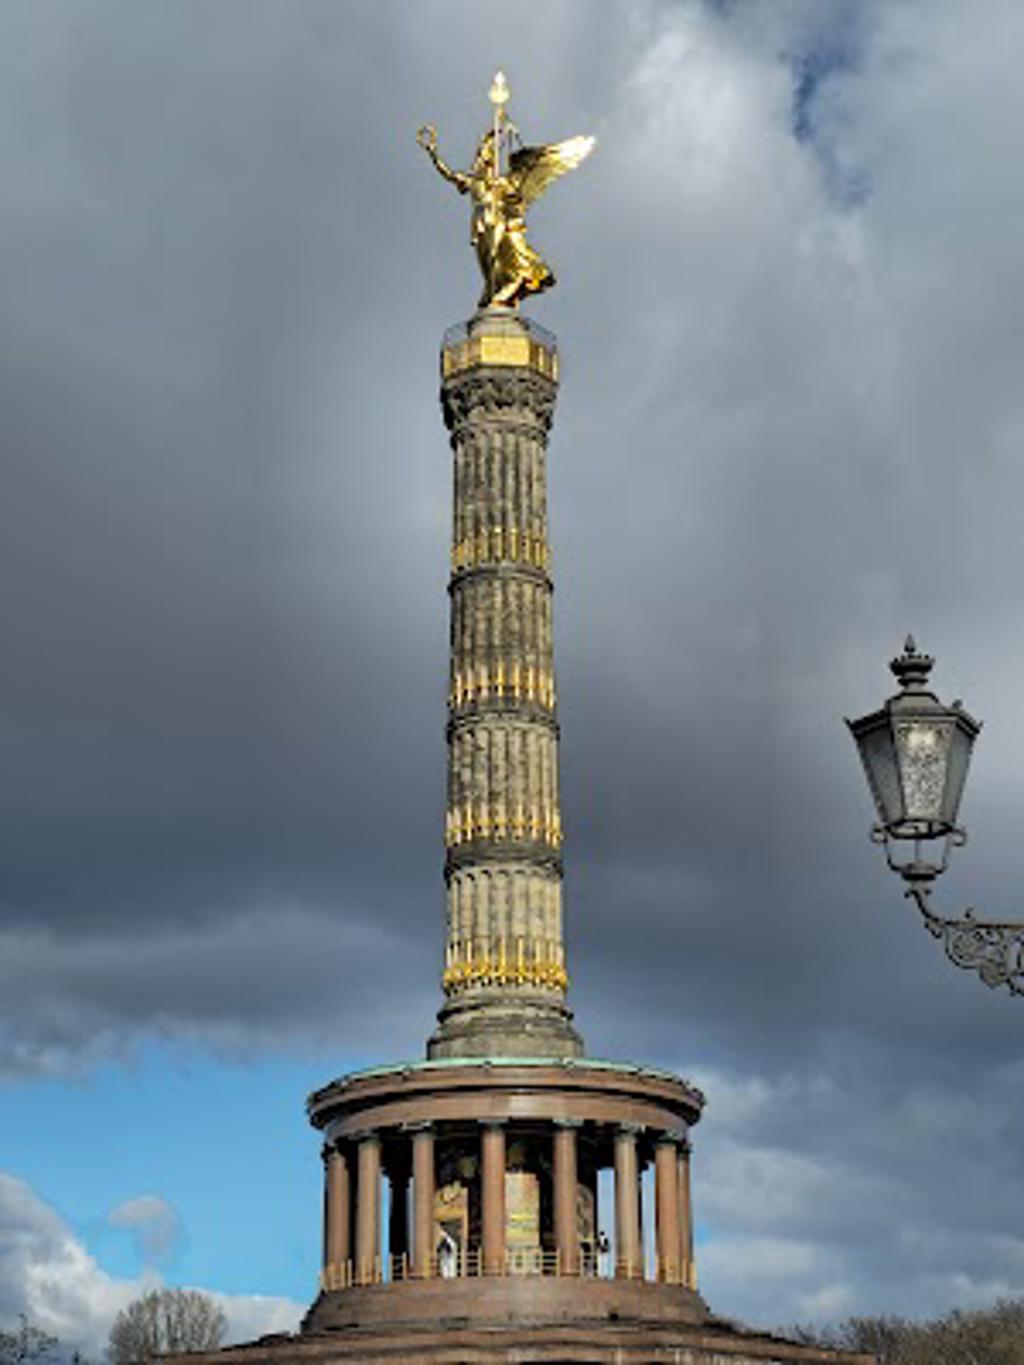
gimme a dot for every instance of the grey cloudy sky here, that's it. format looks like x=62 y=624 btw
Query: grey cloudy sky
x=790 y=429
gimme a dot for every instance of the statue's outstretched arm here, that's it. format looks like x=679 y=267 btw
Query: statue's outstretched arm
x=427 y=138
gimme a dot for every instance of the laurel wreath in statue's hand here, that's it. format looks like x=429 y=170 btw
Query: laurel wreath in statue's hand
x=427 y=137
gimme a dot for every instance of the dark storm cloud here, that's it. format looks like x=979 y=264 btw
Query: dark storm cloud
x=789 y=431
x=222 y=457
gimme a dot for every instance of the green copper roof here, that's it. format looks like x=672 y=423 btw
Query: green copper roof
x=569 y=1064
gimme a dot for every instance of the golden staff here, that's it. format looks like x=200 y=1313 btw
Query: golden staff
x=498 y=94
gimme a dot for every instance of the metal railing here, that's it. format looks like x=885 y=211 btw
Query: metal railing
x=525 y=346
x=458 y=333
x=469 y=1263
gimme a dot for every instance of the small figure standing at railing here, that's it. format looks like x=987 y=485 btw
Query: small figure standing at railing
x=447 y=1257
x=604 y=1255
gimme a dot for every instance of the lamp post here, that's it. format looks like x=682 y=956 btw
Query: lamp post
x=916 y=753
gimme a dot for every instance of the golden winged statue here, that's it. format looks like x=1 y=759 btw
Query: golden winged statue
x=505 y=179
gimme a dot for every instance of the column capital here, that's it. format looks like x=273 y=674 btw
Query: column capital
x=628 y=1130
x=492 y=1123
x=567 y=1123
x=366 y=1135
x=672 y=1137
x=417 y=1126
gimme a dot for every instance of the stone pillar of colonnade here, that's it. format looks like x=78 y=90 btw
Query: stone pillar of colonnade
x=565 y=1179
x=337 y=1215
x=423 y=1186
x=367 y=1258
x=628 y=1242
x=492 y=1197
x=689 y=1268
x=668 y=1229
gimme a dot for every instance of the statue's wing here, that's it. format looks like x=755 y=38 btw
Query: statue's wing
x=533 y=168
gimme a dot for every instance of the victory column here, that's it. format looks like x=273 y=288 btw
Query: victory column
x=491 y=1149
x=505 y=975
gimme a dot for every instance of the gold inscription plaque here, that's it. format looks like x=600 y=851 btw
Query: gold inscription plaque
x=522 y=1222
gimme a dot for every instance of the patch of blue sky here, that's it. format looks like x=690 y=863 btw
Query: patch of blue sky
x=825 y=45
x=822 y=55
x=225 y=1144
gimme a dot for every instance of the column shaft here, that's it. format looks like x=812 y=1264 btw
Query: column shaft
x=337 y=1210
x=668 y=1227
x=492 y=1233
x=565 y=1181
x=423 y=1182
x=368 y=1209
x=685 y=1217
x=503 y=828
x=628 y=1264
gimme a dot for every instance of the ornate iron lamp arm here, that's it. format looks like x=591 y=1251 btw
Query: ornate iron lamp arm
x=993 y=949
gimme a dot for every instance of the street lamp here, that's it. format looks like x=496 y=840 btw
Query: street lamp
x=916 y=753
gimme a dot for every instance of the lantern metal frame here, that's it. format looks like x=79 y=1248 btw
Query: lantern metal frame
x=994 y=949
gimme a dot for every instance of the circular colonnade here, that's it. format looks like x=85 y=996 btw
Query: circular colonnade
x=492 y=1169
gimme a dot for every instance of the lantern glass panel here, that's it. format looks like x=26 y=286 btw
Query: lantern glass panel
x=923 y=749
x=879 y=758
x=961 y=743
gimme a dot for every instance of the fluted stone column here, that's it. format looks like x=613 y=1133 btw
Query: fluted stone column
x=423 y=1182
x=628 y=1244
x=505 y=975
x=368 y=1208
x=337 y=1213
x=565 y=1179
x=492 y=1197
x=668 y=1230
x=689 y=1268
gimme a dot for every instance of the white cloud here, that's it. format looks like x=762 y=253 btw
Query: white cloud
x=830 y=1303
x=966 y=1292
x=762 y=1187
x=810 y=1210
x=741 y=1099
x=771 y=1281
x=254 y=1315
x=764 y=1261
x=47 y=1274
x=154 y=1222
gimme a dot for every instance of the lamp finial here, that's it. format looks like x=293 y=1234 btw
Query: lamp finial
x=911 y=668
